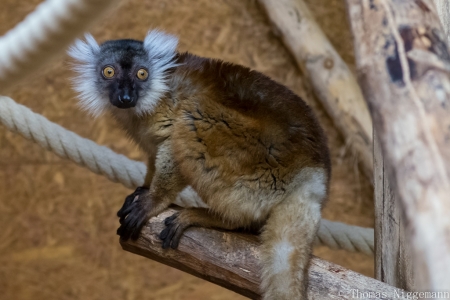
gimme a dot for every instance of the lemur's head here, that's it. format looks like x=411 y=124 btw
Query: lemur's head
x=126 y=74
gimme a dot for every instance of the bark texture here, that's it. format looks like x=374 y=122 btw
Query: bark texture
x=443 y=9
x=403 y=66
x=393 y=261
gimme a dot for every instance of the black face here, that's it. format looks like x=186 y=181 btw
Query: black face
x=124 y=74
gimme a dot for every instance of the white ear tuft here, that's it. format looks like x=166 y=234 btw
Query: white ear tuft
x=160 y=45
x=161 y=48
x=86 y=54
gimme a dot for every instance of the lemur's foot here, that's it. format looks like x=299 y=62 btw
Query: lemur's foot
x=134 y=214
x=174 y=230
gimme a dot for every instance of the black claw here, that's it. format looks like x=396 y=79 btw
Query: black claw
x=121 y=231
x=164 y=233
x=168 y=239
x=170 y=219
x=175 y=241
x=124 y=206
x=135 y=234
x=126 y=213
x=176 y=238
x=130 y=199
x=173 y=232
x=132 y=225
x=173 y=235
x=133 y=215
x=140 y=222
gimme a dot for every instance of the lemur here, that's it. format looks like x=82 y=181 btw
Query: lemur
x=252 y=149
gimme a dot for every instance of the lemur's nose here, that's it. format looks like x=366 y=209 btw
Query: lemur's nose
x=126 y=99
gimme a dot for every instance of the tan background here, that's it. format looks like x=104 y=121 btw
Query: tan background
x=57 y=224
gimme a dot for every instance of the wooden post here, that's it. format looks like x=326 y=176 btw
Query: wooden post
x=443 y=9
x=403 y=65
x=393 y=263
x=231 y=260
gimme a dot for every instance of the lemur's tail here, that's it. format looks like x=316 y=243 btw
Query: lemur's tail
x=288 y=238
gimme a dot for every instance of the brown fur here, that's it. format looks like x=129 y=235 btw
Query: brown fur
x=250 y=148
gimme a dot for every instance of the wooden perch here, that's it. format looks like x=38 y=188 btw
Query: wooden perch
x=231 y=260
x=333 y=82
x=404 y=70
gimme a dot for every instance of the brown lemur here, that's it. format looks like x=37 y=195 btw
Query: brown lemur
x=251 y=149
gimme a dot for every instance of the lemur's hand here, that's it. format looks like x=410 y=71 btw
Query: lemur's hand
x=134 y=214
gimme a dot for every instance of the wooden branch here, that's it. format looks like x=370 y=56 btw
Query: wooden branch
x=393 y=262
x=333 y=82
x=403 y=65
x=231 y=260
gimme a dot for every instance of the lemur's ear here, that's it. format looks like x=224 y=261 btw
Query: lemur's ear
x=84 y=51
x=161 y=50
x=160 y=46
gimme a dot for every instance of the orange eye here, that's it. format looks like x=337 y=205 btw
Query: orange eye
x=142 y=74
x=108 y=72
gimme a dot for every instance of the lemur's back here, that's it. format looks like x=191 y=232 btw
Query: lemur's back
x=258 y=137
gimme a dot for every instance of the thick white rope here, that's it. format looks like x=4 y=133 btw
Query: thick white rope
x=118 y=168
x=66 y=144
x=337 y=235
x=44 y=34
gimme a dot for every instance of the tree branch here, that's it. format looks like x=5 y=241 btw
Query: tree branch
x=231 y=260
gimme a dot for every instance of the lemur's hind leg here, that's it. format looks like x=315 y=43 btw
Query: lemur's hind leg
x=286 y=250
x=287 y=240
x=199 y=217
